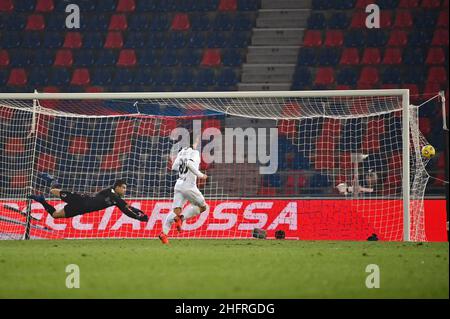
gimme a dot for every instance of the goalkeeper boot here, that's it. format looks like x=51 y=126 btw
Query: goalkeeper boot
x=37 y=198
x=178 y=221
x=164 y=239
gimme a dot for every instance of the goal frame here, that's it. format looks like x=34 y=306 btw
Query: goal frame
x=404 y=93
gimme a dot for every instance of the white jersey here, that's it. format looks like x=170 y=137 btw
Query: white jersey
x=187 y=164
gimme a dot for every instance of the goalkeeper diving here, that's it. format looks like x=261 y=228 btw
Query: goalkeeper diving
x=79 y=204
x=186 y=163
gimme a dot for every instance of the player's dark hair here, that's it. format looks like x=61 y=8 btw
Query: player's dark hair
x=119 y=182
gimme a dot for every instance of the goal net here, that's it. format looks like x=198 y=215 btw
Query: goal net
x=317 y=165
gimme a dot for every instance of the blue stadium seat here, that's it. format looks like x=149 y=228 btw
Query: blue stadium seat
x=106 y=58
x=123 y=76
x=3 y=79
x=44 y=57
x=205 y=78
x=414 y=75
x=387 y=4
x=414 y=56
x=338 y=20
x=106 y=6
x=10 y=40
x=343 y=4
x=83 y=58
x=302 y=78
x=168 y=59
x=96 y=22
x=322 y=4
x=166 y=6
x=231 y=58
x=207 y=5
x=31 y=40
x=53 y=40
x=187 y=6
x=426 y=19
x=217 y=40
x=420 y=38
x=200 y=22
x=226 y=78
x=15 y=22
x=156 y=40
x=391 y=76
x=329 y=57
x=197 y=40
x=247 y=5
x=143 y=76
x=376 y=38
x=243 y=22
x=239 y=40
x=175 y=40
x=56 y=22
x=184 y=78
x=93 y=40
x=307 y=57
x=222 y=22
x=159 y=23
x=347 y=76
x=85 y=5
x=138 y=22
x=101 y=76
x=317 y=21
x=146 y=5
x=147 y=58
x=59 y=77
x=300 y=162
x=135 y=40
x=22 y=58
x=354 y=38
x=164 y=77
x=24 y=5
x=38 y=76
x=319 y=180
x=190 y=57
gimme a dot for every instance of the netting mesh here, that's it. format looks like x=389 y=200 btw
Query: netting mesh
x=338 y=165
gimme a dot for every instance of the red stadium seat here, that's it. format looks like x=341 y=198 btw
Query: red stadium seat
x=6 y=6
x=443 y=19
x=435 y=56
x=440 y=37
x=4 y=58
x=431 y=88
x=358 y=19
x=73 y=40
x=408 y=4
x=392 y=56
x=45 y=6
x=20 y=180
x=403 y=19
x=437 y=75
x=35 y=22
x=425 y=125
x=342 y=87
x=398 y=38
x=431 y=4
x=79 y=145
x=181 y=22
x=413 y=92
x=80 y=77
x=114 y=40
x=127 y=58
x=93 y=89
x=267 y=191
x=46 y=163
x=211 y=57
x=312 y=38
x=118 y=22
x=369 y=76
x=17 y=77
x=362 y=4
x=111 y=162
x=228 y=5
x=371 y=56
x=385 y=19
x=324 y=76
x=333 y=38
x=14 y=146
x=126 y=6
x=63 y=58
x=50 y=104
x=147 y=128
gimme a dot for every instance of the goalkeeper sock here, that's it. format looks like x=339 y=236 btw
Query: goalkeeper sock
x=168 y=222
x=191 y=211
x=49 y=208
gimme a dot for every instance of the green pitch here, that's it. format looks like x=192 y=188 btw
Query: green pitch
x=222 y=269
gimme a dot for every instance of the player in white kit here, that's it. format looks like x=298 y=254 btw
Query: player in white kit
x=186 y=163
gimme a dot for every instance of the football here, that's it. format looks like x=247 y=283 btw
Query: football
x=428 y=151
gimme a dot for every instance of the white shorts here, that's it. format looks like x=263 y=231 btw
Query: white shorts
x=191 y=194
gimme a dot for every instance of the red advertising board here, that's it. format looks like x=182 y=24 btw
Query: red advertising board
x=304 y=219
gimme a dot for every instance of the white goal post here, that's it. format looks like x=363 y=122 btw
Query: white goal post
x=290 y=110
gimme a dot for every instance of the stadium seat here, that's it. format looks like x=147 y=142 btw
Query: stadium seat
x=338 y=20
x=56 y=22
x=376 y=38
x=437 y=75
x=106 y=58
x=362 y=4
x=408 y=4
x=118 y=22
x=371 y=56
x=164 y=78
x=4 y=58
x=388 y=4
x=20 y=59
x=200 y=22
x=73 y=40
x=247 y=5
x=227 y=5
x=63 y=58
x=369 y=76
x=147 y=58
x=413 y=91
x=242 y=23
x=317 y=21
x=392 y=56
x=354 y=39
x=159 y=23
x=443 y=19
x=59 y=77
x=190 y=58
x=3 y=78
x=31 y=40
x=222 y=22
x=385 y=19
x=391 y=76
x=106 y=6
x=143 y=76
x=307 y=57
x=398 y=38
x=6 y=6
x=343 y=5
x=17 y=77
x=414 y=75
x=347 y=76
x=83 y=58
x=175 y=40
x=184 y=78
x=334 y=38
x=35 y=22
x=113 y=40
x=122 y=77
x=45 y=6
x=211 y=58
x=431 y=4
x=80 y=77
x=24 y=6
x=358 y=20
x=312 y=38
x=420 y=38
x=138 y=22
x=44 y=57
x=403 y=19
x=350 y=56
x=302 y=78
x=126 y=6
x=127 y=58
x=216 y=40
x=169 y=59
x=425 y=19
x=321 y=5
x=52 y=40
x=93 y=40
x=440 y=37
x=435 y=55
x=166 y=6
x=324 y=76
x=231 y=58
x=180 y=22
x=413 y=56
x=79 y=145
x=156 y=40
x=239 y=40
x=227 y=78
x=329 y=57
x=205 y=78
x=96 y=23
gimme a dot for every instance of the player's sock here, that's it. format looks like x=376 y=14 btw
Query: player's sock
x=168 y=222
x=41 y=199
x=191 y=211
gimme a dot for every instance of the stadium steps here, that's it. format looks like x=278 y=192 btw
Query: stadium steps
x=272 y=55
